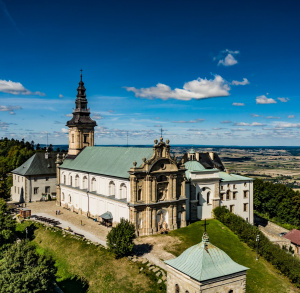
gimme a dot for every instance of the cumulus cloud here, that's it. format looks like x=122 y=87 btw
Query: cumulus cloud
x=238 y=104
x=10 y=109
x=16 y=88
x=195 y=89
x=190 y=121
x=283 y=100
x=282 y=125
x=264 y=100
x=60 y=96
x=226 y=57
x=244 y=82
x=291 y=116
x=65 y=130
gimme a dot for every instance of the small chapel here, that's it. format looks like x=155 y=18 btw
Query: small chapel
x=148 y=186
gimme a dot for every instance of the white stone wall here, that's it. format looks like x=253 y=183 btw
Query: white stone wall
x=93 y=194
x=238 y=203
x=29 y=183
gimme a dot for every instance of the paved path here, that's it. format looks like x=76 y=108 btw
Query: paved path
x=64 y=224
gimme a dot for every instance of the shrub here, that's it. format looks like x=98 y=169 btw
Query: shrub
x=283 y=261
x=120 y=238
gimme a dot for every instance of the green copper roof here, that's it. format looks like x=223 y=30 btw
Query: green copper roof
x=205 y=261
x=195 y=166
x=232 y=177
x=38 y=165
x=111 y=161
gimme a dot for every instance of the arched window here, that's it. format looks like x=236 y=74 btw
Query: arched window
x=186 y=291
x=112 y=190
x=230 y=291
x=84 y=182
x=123 y=190
x=77 y=180
x=63 y=197
x=177 y=288
x=93 y=184
x=228 y=194
x=71 y=181
x=139 y=197
x=65 y=180
x=208 y=197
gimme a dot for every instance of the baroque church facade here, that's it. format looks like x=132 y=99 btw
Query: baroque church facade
x=147 y=186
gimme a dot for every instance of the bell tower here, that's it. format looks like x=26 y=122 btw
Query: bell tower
x=81 y=126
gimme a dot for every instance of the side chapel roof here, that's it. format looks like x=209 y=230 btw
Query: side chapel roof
x=38 y=165
x=111 y=161
x=205 y=261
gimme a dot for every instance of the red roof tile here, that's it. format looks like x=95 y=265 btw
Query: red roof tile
x=294 y=236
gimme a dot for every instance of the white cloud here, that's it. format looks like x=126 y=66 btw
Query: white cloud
x=60 y=96
x=69 y=115
x=283 y=100
x=65 y=130
x=244 y=82
x=96 y=116
x=264 y=100
x=16 y=88
x=195 y=89
x=291 y=116
x=10 y=109
x=282 y=125
x=226 y=121
x=238 y=104
x=255 y=115
x=272 y=117
x=190 y=121
x=248 y=124
x=226 y=58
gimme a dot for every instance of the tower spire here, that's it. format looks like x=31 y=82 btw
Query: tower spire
x=81 y=75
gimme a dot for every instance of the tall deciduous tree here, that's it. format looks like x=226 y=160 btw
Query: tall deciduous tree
x=120 y=238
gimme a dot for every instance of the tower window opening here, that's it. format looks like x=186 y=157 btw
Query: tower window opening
x=85 y=138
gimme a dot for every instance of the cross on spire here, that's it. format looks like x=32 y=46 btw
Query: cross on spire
x=161 y=132
x=205 y=224
x=81 y=74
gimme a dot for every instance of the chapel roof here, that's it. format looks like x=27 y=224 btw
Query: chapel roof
x=204 y=261
x=233 y=177
x=38 y=165
x=111 y=161
x=294 y=236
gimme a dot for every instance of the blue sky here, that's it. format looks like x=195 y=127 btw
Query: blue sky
x=207 y=72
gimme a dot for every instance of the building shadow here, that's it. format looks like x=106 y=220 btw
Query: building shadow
x=141 y=249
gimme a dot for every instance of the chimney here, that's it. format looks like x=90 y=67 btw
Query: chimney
x=197 y=156
x=227 y=171
x=211 y=155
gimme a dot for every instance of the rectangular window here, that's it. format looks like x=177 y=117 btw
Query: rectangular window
x=35 y=190
x=234 y=186
x=22 y=179
x=47 y=178
x=245 y=193
x=85 y=138
x=72 y=138
x=232 y=208
x=228 y=195
x=18 y=178
x=47 y=189
x=35 y=179
x=222 y=187
x=234 y=195
x=245 y=207
x=222 y=196
x=15 y=189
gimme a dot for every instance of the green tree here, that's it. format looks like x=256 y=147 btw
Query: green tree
x=7 y=226
x=23 y=270
x=120 y=238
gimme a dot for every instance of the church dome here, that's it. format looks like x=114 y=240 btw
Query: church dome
x=204 y=261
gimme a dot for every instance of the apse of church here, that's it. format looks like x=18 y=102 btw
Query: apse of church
x=158 y=200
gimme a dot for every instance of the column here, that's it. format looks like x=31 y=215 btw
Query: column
x=154 y=189
x=175 y=217
x=154 y=223
x=133 y=182
x=183 y=188
x=170 y=192
x=174 y=186
x=148 y=221
x=150 y=189
x=183 y=217
x=170 y=217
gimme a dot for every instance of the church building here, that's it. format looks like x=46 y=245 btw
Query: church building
x=146 y=185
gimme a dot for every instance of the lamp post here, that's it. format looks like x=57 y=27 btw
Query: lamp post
x=257 y=240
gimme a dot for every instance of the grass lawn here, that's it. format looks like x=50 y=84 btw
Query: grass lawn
x=262 y=276
x=84 y=267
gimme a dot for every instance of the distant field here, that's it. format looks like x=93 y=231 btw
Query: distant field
x=262 y=276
